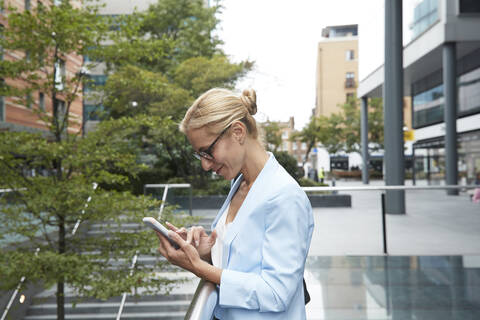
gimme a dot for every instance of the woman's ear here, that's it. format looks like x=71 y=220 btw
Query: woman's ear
x=239 y=131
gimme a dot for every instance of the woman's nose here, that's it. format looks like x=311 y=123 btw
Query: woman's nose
x=206 y=164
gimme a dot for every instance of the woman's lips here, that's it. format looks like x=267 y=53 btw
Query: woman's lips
x=218 y=170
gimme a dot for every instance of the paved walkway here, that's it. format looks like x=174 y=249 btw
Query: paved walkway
x=434 y=224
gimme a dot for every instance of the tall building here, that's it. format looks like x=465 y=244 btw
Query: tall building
x=17 y=116
x=441 y=74
x=337 y=68
x=92 y=102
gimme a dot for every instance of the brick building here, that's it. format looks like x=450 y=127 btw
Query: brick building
x=20 y=116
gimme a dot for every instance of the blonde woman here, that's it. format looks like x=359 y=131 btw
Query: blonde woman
x=261 y=235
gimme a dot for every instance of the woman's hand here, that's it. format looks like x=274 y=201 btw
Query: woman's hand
x=202 y=241
x=185 y=257
x=198 y=238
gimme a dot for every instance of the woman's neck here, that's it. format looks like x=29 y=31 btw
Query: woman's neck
x=255 y=160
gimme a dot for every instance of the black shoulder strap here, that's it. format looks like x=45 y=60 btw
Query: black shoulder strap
x=305 y=292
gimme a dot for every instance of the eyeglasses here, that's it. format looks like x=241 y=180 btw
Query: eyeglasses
x=207 y=154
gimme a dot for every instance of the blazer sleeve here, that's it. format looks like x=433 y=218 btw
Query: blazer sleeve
x=289 y=225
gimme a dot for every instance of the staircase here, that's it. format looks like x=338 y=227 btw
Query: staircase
x=160 y=307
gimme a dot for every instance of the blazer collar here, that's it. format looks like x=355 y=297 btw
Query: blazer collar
x=254 y=198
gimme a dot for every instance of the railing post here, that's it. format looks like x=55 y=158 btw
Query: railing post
x=384 y=226
x=191 y=200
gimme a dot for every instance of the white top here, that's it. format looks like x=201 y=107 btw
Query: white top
x=217 y=249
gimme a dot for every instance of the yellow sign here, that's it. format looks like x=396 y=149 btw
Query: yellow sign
x=408 y=135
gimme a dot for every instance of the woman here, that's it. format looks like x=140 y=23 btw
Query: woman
x=256 y=253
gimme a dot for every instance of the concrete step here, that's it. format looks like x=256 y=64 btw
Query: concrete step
x=144 y=307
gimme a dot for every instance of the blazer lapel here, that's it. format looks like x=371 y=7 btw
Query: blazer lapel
x=255 y=197
x=233 y=189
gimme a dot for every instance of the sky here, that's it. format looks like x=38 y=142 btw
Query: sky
x=281 y=37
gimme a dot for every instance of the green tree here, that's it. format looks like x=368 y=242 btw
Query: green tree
x=273 y=135
x=162 y=59
x=289 y=163
x=342 y=130
x=49 y=203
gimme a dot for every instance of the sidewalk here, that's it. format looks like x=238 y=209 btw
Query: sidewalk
x=434 y=224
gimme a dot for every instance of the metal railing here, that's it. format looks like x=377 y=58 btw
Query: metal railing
x=167 y=186
x=382 y=199
x=199 y=307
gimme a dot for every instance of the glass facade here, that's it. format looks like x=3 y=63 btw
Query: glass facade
x=425 y=14
x=428 y=105
x=92 y=112
x=469 y=92
x=94 y=81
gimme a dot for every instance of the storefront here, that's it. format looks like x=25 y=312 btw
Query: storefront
x=429 y=158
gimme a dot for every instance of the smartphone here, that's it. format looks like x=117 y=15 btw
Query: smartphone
x=157 y=226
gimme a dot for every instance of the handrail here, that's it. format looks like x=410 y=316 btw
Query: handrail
x=171 y=185
x=203 y=302
x=382 y=199
x=395 y=187
x=22 y=280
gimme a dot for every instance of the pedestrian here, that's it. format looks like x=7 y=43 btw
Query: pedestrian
x=261 y=235
x=476 y=191
x=321 y=175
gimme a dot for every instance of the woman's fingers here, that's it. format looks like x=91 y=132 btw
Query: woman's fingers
x=171 y=226
x=162 y=248
x=176 y=237
x=196 y=235
x=213 y=237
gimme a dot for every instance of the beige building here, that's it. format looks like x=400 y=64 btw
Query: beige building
x=296 y=149
x=337 y=68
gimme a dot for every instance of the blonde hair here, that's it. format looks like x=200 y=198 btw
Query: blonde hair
x=218 y=108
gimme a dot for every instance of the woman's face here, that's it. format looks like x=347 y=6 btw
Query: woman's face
x=227 y=152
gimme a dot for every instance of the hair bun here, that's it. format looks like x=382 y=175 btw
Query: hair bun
x=249 y=100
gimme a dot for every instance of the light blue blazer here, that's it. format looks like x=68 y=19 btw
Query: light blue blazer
x=265 y=249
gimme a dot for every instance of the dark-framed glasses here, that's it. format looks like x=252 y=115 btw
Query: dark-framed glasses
x=207 y=153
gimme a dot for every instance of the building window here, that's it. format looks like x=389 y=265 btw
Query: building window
x=61 y=110
x=350 y=96
x=349 y=55
x=60 y=74
x=424 y=15
x=28 y=100
x=350 y=80
x=2 y=109
x=469 y=6
x=285 y=146
x=94 y=81
x=285 y=135
x=304 y=146
x=294 y=145
x=41 y=101
x=27 y=4
x=428 y=107
x=92 y=112
x=469 y=92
